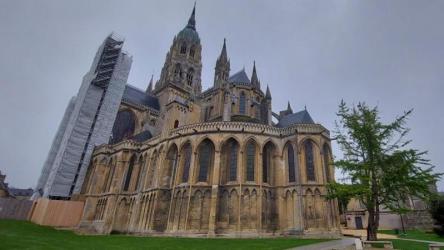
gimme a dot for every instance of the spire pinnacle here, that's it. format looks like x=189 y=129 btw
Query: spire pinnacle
x=192 y=21
x=268 y=94
x=254 y=79
x=223 y=54
x=289 y=107
x=149 y=90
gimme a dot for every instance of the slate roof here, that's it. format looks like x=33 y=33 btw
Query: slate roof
x=21 y=191
x=301 y=117
x=240 y=77
x=136 y=96
x=142 y=136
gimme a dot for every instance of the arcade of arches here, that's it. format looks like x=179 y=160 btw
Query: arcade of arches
x=212 y=184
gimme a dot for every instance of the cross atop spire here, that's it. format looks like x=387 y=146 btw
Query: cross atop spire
x=192 y=21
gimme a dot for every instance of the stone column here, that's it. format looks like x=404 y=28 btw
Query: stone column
x=190 y=183
x=259 y=180
x=328 y=207
x=214 y=194
x=280 y=181
x=227 y=107
x=299 y=190
x=174 y=180
x=155 y=183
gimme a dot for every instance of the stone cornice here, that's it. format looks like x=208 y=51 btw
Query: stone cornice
x=216 y=127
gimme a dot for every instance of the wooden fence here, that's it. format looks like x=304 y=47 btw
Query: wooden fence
x=57 y=213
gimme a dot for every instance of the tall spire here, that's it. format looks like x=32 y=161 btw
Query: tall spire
x=192 y=21
x=222 y=69
x=149 y=90
x=223 y=53
x=254 y=79
x=268 y=94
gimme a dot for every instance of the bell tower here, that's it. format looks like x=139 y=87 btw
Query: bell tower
x=183 y=65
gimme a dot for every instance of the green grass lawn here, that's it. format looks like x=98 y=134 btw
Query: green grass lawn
x=417 y=235
x=409 y=245
x=25 y=235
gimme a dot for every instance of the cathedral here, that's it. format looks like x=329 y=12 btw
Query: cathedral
x=179 y=160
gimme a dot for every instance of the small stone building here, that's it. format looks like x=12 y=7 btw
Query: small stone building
x=418 y=218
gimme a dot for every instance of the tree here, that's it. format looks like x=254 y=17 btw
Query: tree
x=437 y=211
x=380 y=168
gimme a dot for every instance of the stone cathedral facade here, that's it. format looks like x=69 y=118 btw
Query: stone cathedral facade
x=182 y=161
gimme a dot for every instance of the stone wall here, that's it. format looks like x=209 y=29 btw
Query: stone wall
x=11 y=208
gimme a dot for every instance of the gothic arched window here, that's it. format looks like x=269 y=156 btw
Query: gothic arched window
x=267 y=157
x=112 y=167
x=190 y=76
x=326 y=151
x=291 y=166
x=233 y=148
x=186 y=162
x=206 y=150
x=177 y=70
x=139 y=173
x=309 y=160
x=251 y=155
x=192 y=51
x=183 y=48
x=129 y=173
x=169 y=171
x=176 y=124
x=242 y=103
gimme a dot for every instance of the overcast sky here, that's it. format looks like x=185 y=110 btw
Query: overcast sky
x=313 y=53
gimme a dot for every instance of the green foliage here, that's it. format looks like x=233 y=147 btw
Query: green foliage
x=25 y=235
x=437 y=211
x=381 y=169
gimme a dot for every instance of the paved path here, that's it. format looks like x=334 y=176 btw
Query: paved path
x=424 y=241
x=334 y=244
x=363 y=234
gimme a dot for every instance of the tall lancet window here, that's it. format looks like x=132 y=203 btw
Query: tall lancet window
x=192 y=51
x=129 y=173
x=242 y=103
x=186 y=162
x=251 y=162
x=183 y=48
x=190 y=76
x=206 y=151
x=309 y=160
x=267 y=158
x=232 y=160
x=326 y=151
x=291 y=166
x=177 y=69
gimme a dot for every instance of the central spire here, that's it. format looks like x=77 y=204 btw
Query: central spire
x=192 y=21
x=223 y=53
